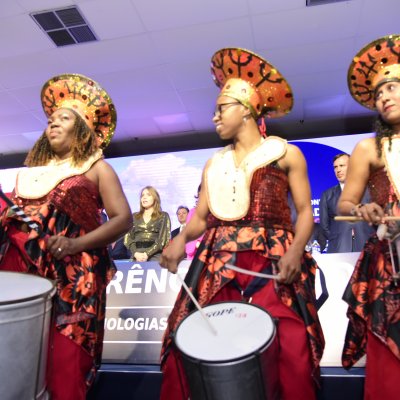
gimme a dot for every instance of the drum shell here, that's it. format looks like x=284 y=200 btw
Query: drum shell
x=24 y=335
x=254 y=376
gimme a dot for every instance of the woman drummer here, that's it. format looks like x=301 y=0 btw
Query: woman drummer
x=63 y=190
x=243 y=210
x=373 y=293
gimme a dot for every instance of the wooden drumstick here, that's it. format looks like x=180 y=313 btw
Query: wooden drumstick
x=351 y=218
x=198 y=306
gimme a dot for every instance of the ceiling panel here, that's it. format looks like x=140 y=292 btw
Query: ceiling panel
x=273 y=6
x=136 y=51
x=199 y=42
x=20 y=35
x=200 y=99
x=154 y=58
x=174 y=123
x=10 y=8
x=24 y=71
x=193 y=75
x=39 y=5
x=28 y=97
x=312 y=57
x=172 y=14
x=112 y=19
x=128 y=127
x=323 y=107
x=306 y=25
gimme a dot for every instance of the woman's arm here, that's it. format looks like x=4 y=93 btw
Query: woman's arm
x=175 y=251
x=116 y=206
x=296 y=167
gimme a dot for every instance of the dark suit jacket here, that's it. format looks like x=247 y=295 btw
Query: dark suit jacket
x=338 y=233
x=119 y=251
x=175 y=232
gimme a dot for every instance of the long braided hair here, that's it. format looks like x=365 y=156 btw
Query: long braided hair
x=83 y=145
x=382 y=130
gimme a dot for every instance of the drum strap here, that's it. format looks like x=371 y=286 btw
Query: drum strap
x=324 y=290
x=255 y=285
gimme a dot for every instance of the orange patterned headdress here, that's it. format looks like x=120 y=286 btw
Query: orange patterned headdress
x=253 y=81
x=378 y=62
x=87 y=98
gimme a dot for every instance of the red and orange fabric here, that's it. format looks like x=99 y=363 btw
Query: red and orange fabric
x=71 y=209
x=265 y=230
x=372 y=295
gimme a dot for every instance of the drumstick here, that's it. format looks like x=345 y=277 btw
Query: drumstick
x=198 y=306
x=253 y=273
x=17 y=210
x=350 y=218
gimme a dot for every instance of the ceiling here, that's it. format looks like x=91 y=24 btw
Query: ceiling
x=153 y=57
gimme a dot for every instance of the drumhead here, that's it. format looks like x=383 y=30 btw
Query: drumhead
x=18 y=287
x=242 y=329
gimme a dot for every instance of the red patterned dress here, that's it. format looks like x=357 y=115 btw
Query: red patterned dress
x=72 y=208
x=256 y=242
x=374 y=305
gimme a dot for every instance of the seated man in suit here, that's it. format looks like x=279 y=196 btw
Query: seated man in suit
x=118 y=251
x=342 y=236
x=181 y=213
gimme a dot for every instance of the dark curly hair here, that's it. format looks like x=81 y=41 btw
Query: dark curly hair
x=382 y=129
x=84 y=144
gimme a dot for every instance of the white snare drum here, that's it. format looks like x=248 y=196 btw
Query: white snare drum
x=240 y=362
x=25 y=312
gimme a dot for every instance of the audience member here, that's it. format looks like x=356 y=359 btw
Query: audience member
x=151 y=230
x=118 y=250
x=341 y=237
x=181 y=213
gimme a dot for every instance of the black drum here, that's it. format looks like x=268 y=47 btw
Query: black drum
x=240 y=362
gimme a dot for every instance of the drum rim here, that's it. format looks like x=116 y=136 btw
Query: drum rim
x=33 y=297
x=230 y=360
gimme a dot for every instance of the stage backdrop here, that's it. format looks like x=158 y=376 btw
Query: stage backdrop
x=177 y=175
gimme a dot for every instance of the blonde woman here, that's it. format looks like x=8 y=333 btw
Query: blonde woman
x=151 y=229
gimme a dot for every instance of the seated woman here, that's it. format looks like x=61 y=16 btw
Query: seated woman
x=151 y=229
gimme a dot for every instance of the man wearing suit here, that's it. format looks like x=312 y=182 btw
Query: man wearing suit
x=342 y=237
x=181 y=213
x=118 y=251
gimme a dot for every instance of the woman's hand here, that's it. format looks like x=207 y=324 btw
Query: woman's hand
x=61 y=246
x=289 y=267
x=370 y=212
x=173 y=254
x=141 y=257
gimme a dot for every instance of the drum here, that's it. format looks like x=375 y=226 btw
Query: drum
x=25 y=313
x=240 y=362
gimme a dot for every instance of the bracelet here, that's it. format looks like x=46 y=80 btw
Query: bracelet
x=354 y=210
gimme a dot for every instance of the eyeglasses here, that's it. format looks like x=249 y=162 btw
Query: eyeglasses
x=219 y=108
